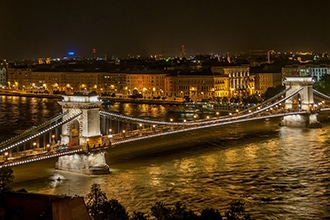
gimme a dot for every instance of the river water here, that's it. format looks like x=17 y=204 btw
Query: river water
x=280 y=175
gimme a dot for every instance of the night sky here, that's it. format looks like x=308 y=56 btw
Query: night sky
x=52 y=28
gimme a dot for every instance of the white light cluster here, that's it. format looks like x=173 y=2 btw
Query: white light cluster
x=41 y=132
x=198 y=125
x=76 y=98
x=40 y=158
x=248 y=114
x=26 y=132
x=207 y=126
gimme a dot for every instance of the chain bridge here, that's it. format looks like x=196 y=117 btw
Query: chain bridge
x=81 y=135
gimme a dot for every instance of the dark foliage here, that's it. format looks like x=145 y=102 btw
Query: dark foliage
x=95 y=202
x=113 y=210
x=6 y=178
x=271 y=91
x=139 y=216
x=237 y=211
x=210 y=214
x=99 y=208
x=323 y=85
x=179 y=212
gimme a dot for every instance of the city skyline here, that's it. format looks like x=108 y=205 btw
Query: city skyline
x=32 y=29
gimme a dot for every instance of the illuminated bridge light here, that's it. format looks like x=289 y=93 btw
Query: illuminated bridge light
x=244 y=115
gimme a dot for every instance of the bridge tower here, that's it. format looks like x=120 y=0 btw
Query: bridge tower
x=304 y=99
x=85 y=129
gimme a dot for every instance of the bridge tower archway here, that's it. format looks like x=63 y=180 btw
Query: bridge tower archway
x=304 y=98
x=74 y=133
x=84 y=129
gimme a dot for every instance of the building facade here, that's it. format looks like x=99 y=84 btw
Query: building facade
x=148 y=84
x=3 y=75
x=315 y=71
x=240 y=84
x=228 y=81
x=263 y=81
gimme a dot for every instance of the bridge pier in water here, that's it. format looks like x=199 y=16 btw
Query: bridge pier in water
x=303 y=100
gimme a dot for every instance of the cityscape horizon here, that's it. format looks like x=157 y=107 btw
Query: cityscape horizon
x=179 y=54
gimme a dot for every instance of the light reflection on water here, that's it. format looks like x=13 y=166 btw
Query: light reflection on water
x=274 y=177
x=20 y=113
x=285 y=175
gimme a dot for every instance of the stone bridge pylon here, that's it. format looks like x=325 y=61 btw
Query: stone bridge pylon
x=302 y=100
x=85 y=129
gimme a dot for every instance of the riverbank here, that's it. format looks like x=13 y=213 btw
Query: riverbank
x=104 y=99
x=109 y=100
x=27 y=94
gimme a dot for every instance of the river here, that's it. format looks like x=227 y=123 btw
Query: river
x=280 y=175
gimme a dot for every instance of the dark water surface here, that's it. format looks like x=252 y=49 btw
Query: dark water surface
x=281 y=175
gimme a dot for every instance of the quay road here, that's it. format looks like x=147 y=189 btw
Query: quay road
x=105 y=99
x=110 y=100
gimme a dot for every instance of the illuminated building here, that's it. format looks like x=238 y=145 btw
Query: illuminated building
x=240 y=81
x=223 y=81
x=146 y=83
x=3 y=76
x=315 y=71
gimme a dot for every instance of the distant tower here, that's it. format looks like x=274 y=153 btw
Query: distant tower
x=183 y=51
x=269 y=52
x=94 y=52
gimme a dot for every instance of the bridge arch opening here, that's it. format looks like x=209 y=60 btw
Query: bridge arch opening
x=304 y=98
x=74 y=133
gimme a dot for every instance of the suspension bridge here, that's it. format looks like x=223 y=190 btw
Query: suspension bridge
x=82 y=133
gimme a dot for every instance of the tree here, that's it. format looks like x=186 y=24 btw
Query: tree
x=237 y=211
x=95 y=201
x=6 y=178
x=139 y=216
x=113 y=210
x=210 y=214
x=160 y=211
x=99 y=208
x=271 y=91
x=179 y=212
x=323 y=85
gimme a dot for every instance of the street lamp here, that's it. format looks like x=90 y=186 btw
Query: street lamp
x=53 y=139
